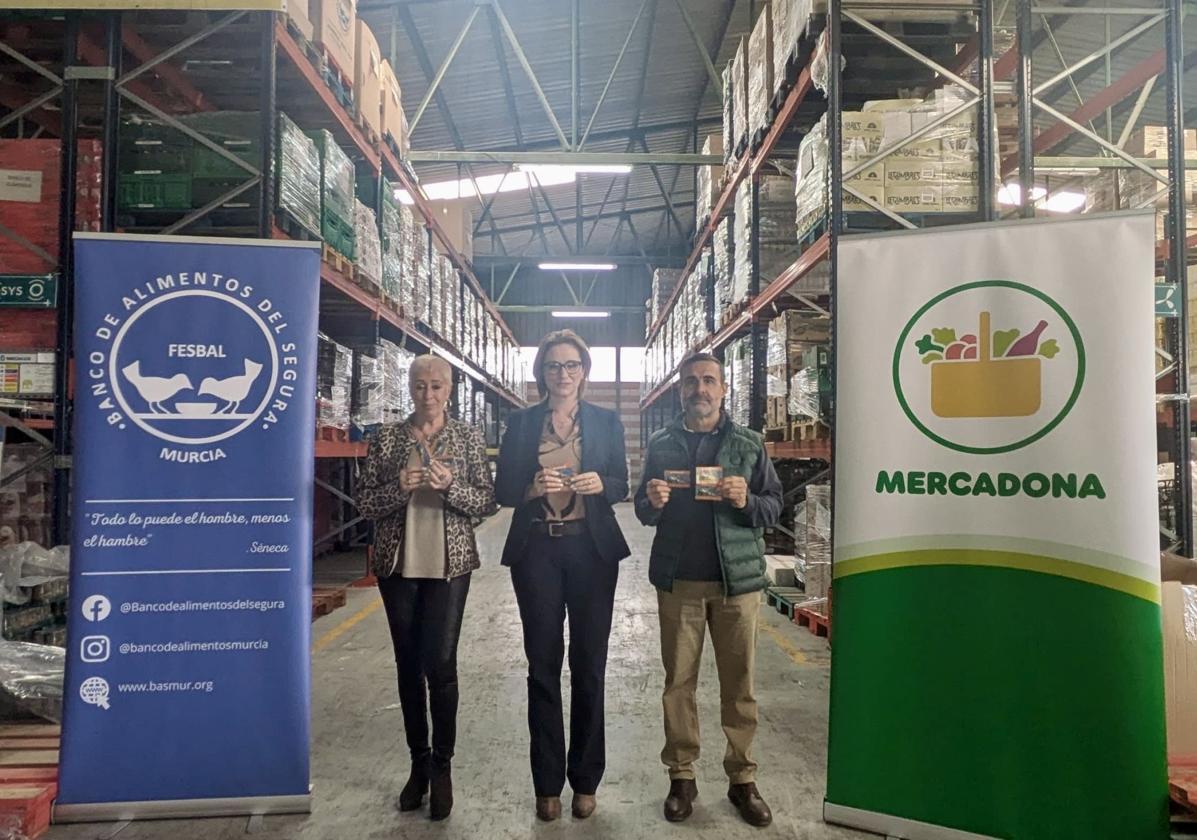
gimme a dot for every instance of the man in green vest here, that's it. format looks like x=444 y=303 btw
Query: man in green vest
x=708 y=566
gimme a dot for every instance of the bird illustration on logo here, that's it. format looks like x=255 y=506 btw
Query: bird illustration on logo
x=155 y=389
x=232 y=390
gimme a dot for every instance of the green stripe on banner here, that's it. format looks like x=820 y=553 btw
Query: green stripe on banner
x=1002 y=559
x=998 y=700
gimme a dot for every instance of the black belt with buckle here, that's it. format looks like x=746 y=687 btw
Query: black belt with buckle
x=556 y=528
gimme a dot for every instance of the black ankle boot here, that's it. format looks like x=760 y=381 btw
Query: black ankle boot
x=412 y=795
x=440 y=801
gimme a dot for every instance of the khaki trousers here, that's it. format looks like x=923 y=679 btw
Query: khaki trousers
x=685 y=614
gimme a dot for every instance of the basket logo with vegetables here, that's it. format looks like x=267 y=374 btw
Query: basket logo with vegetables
x=989 y=367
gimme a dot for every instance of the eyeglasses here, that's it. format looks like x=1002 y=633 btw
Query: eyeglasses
x=554 y=368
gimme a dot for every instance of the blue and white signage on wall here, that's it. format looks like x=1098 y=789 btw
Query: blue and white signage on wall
x=187 y=683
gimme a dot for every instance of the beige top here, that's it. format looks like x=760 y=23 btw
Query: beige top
x=558 y=451
x=423 y=544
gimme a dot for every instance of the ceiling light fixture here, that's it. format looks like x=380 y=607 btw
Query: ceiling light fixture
x=576 y=266
x=1065 y=201
x=580 y=313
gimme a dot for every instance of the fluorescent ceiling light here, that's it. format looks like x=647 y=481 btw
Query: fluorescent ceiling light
x=580 y=313
x=1065 y=201
x=1011 y=194
x=576 y=266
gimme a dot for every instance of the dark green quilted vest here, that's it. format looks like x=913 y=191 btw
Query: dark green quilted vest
x=741 y=547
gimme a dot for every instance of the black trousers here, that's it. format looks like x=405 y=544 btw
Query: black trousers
x=560 y=576
x=425 y=620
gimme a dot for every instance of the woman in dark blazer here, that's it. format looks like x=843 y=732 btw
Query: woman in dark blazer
x=562 y=465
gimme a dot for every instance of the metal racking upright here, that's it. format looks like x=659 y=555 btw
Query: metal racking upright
x=234 y=60
x=853 y=73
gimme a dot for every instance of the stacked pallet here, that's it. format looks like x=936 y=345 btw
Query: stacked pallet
x=28 y=776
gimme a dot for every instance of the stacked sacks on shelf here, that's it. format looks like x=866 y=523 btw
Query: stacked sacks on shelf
x=739 y=93
x=707 y=182
x=414 y=248
x=435 y=299
x=792 y=335
x=334 y=377
x=790 y=19
x=396 y=395
x=723 y=246
x=367 y=405
x=760 y=72
x=391 y=241
x=369 y=244
x=729 y=114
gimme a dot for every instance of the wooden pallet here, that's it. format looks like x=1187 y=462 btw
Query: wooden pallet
x=337 y=260
x=368 y=131
x=776 y=433
x=326 y=599
x=367 y=282
x=293 y=227
x=732 y=313
x=809 y=430
x=815 y=622
x=332 y=434
x=783 y=599
x=1182 y=787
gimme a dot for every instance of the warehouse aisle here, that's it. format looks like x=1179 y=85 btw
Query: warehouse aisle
x=359 y=759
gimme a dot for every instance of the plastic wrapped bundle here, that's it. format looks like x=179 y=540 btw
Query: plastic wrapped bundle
x=31 y=677
x=760 y=71
x=742 y=238
x=336 y=195
x=298 y=172
x=396 y=394
x=415 y=266
x=392 y=252
x=778 y=236
x=367 y=403
x=739 y=89
x=724 y=251
x=369 y=245
x=664 y=282
x=696 y=310
x=729 y=114
x=817 y=559
x=433 y=317
x=451 y=289
x=334 y=376
x=738 y=364
x=804 y=394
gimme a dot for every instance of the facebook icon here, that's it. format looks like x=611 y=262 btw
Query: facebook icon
x=96 y=608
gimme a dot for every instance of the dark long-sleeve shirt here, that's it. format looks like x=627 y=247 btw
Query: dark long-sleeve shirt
x=700 y=552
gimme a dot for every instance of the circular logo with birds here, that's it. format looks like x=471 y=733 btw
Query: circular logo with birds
x=194 y=367
x=989 y=367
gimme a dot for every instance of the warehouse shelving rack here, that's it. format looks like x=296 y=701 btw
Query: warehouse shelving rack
x=845 y=24
x=237 y=54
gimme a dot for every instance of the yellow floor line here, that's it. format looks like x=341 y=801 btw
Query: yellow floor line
x=335 y=633
x=788 y=648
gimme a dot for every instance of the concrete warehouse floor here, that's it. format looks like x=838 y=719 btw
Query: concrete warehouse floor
x=359 y=758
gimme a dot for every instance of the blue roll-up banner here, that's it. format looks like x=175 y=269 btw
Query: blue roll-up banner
x=187 y=680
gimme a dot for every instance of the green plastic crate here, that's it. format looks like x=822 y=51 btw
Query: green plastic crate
x=155 y=192
x=339 y=234
x=297 y=174
x=337 y=181
x=237 y=132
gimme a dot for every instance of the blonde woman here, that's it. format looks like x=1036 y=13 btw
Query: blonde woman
x=425 y=482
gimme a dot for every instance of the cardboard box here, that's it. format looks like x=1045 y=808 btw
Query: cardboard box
x=913 y=173
x=874 y=106
x=394 y=119
x=927 y=199
x=1151 y=141
x=708 y=178
x=874 y=191
x=300 y=16
x=875 y=174
x=1179 y=608
x=457 y=221
x=953 y=173
x=336 y=30
x=960 y=198
x=760 y=71
x=367 y=78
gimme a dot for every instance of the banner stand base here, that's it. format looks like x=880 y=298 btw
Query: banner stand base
x=894 y=827
x=171 y=809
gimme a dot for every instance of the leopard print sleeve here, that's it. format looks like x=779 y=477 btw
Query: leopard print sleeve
x=475 y=496
x=379 y=494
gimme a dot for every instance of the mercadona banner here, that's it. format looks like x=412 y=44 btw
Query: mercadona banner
x=997 y=665
x=187 y=685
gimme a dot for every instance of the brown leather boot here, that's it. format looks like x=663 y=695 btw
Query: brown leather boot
x=679 y=804
x=584 y=805
x=548 y=808
x=752 y=808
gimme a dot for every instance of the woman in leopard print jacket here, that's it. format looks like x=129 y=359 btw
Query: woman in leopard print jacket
x=425 y=483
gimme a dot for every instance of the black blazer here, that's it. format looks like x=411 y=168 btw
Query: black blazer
x=603 y=452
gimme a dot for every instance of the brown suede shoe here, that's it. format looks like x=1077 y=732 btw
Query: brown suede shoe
x=584 y=805
x=748 y=802
x=679 y=804
x=548 y=808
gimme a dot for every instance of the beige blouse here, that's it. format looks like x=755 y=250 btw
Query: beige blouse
x=557 y=451
x=424 y=531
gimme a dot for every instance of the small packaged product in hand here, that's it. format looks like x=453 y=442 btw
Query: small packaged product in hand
x=706 y=483
x=677 y=479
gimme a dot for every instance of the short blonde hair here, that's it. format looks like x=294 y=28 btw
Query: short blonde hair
x=430 y=360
